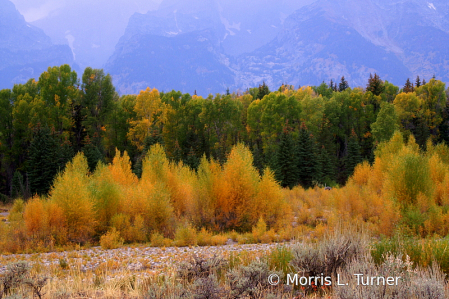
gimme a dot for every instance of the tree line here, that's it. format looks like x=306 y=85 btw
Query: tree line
x=307 y=136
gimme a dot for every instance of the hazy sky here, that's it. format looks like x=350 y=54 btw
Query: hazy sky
x=34 y=10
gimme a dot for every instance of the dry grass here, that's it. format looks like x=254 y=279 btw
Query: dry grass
x=230 y=271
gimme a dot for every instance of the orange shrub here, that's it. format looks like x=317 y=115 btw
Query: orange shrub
x=35 y=218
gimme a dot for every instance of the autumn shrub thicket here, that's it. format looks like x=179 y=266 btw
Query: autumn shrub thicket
x=170 y=200
x=405 y=188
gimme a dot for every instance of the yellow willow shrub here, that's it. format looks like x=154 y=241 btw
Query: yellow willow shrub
x=155 y=165
x=130 y=231
x=122 y=223
x=237 y=190
x=435 y=222
x=423 y=203
x=135 y=199
x=71 y=192
x=350 y=202
x=310 y=205
x=16 y=239
x=106 y=194
x=444 y=186
x=376 y=178
x=270 y=203
x=206 y=184
x=160 y=215
x=407 y=176
x=57 y=222
x=181 y=182
x=35 y=218
x=389 y=217
x=121 y=170
x=389 y=150
x=438 y=172
x=442 y=150
x=154 y=206
x=4 y=236
x=362 y=174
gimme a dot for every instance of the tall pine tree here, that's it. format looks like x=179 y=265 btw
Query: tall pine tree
x=408 y=87
x=286 y=167
x=93 y=155
x=353 y=156
x=375 y=85
x=306 y=157
x=343 y=84
x=418 y=82
x=43 y=161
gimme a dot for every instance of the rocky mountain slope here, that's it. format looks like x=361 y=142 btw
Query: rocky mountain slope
x=25 y=50
x=323 y=40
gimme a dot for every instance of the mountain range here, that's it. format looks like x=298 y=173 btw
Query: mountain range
x=25 y=50
x=208 y=46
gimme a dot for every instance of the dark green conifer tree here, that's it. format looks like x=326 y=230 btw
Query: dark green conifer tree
x=258 y=158
x=66 y=154
x=375 y=85
x=325 y=173
x=418 y=82
x=421 y=132
x=192 y=160
x=306 y=157
x=19 y=187
x=93 y=155
x=286 y=167
x=42 y=164
x=263 y=91
x=353 y=156
x=177 y=152
x=343 y=84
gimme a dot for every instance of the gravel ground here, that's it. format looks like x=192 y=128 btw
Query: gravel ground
x=138 y=259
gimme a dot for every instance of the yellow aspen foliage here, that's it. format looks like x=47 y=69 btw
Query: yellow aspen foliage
x=150 y=112
x=35 y=217
x=238 y=188
x=302 y=92
x=71 y=192
x=121 y=171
